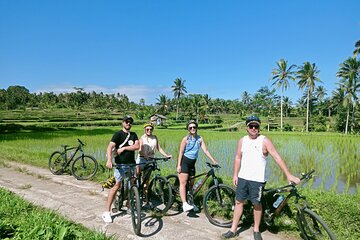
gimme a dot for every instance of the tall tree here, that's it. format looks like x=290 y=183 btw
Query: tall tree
x=281 y=76
x=349 y=73
x=357 y=49
x=179 y=90
x=163 y=104
x=307 y=76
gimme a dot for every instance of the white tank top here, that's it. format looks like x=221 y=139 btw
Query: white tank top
x=148 y=147
x=253 y=161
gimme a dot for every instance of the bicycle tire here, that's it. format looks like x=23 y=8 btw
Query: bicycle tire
x=219 y=203
x=160 y=194
x=57 y=162
x=173 y=179
x=135 y=209
x=84 y=167
x=312 y=226
x=119 y=198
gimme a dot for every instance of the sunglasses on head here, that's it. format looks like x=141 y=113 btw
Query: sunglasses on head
x=192 y=127
x=251 y=126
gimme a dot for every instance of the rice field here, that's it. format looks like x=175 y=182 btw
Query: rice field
x=335 y=157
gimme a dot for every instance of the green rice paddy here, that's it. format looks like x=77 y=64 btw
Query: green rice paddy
x=335 y=157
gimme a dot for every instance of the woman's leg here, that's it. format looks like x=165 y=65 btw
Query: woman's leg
x=183 y=177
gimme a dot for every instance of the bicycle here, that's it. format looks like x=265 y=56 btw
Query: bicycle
x=310 y=224
x=129 y=191
x=83 y=167
x=218 y=200
x=159 y=191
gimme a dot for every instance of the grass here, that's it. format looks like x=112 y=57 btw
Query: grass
x=20 y=219
x=333 y=155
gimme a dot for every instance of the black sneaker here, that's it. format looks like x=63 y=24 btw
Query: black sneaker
x=257 y=236
x=228 y=234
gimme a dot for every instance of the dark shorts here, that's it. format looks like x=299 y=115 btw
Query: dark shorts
x=188 y=166
x=249 y=190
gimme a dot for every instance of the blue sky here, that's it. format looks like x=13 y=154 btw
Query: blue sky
x=138 y=48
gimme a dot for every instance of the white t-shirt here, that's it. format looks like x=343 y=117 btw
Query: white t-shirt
x=253 y=160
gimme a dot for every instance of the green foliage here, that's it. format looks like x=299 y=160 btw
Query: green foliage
x=340 y=211
x=20 y=219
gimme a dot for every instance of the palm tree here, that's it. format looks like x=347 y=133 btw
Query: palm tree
x=163 y=104
x=357 y=49
x=307 y=75
x=282 y=74
x=179 y=90
x=349 y=73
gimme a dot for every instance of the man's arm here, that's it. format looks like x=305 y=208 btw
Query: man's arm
x=109 y=154
x=237 y=162
x=274 y=153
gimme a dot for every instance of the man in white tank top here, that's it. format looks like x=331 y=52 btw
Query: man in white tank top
x=249 y=173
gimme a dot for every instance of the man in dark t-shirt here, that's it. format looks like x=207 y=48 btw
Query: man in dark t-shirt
x=123 y=145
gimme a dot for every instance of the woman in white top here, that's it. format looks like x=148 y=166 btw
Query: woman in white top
x=148 y=145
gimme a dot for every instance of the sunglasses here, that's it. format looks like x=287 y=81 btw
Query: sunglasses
x=251 y=126
x=148 y=129
x=128 y=122
x=194 y=127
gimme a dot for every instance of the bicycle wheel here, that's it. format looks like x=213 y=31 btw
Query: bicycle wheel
x=57 y=162
x=119 y=198
x=312 y=226
x=174 y=182
x=160 y=194
x=135 y=208
x=84 y=167
x=219 y=203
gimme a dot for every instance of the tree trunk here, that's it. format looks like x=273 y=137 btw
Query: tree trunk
x=347 y=120
x=307 y=112
x=281 y=113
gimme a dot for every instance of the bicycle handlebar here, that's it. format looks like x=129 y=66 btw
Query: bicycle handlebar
x=159 y=158
x=304 y=178
x=82 y=144
x=210 y=165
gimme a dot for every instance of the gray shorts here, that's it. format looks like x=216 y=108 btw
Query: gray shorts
x=249 y=190
x=121 y=173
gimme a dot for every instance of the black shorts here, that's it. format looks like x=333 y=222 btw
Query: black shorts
x=188 y=166
x=249 y=190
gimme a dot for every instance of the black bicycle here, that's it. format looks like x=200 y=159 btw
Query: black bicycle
x=158 y=193
x=129 y=192
x=83 y=167
x=275 y=202
x=218 y=200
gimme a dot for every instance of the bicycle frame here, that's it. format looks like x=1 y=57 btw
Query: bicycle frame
x=67 y=149
x=150 y=167
x=291 y=190
x=210 y=173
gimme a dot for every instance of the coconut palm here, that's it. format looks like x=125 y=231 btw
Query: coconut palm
x=357 y=49
x=179 y=90
x=163 y=104
x=282 y=74
x=307 y=75
x=349 y=73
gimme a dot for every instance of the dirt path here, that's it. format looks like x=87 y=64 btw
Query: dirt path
x=83 y=202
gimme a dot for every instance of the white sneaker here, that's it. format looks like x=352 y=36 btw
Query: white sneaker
x=187 y=207
x=107 y=217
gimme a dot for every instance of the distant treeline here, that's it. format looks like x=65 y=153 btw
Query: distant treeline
x=326 y=114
